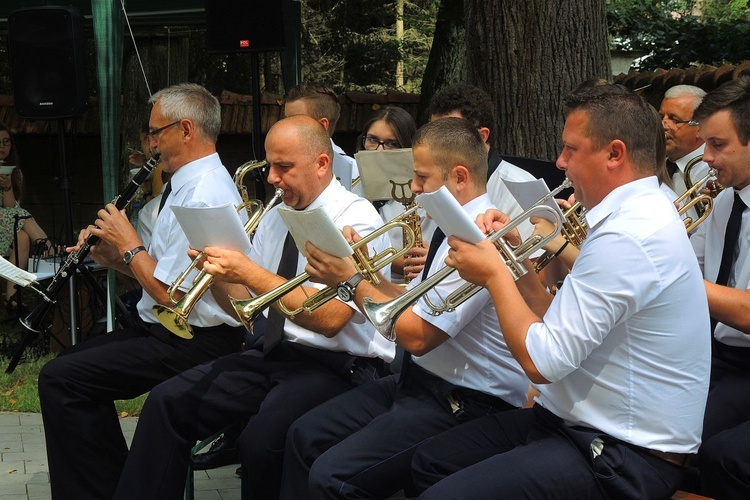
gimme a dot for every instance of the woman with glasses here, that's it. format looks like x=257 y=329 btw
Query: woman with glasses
x=391 y=128
x=12 y=216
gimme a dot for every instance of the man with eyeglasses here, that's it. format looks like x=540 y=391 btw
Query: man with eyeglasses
x=684 y=144
x=77 y=390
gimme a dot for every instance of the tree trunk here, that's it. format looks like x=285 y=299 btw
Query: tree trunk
x=446 y=65
x=528 y=56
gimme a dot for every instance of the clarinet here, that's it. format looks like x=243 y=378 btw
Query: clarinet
x=33 y=320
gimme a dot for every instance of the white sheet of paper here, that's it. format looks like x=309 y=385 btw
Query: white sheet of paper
x=378 y=168
x=450 y=215
x=316 y=227
x=528 y=193
x=213 y=226
x=15 y=274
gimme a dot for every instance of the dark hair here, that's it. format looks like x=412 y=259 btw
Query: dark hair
x=16 y=178
x=400 y=121
x=615 y=112
x=471 y=102
x=734 y=96
x=454 y=141
x=321 y=101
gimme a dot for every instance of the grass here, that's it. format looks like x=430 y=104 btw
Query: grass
x=18 y=390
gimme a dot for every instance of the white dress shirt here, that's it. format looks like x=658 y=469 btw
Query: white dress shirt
x=345 y=169
x=697 y=172
x=476 y=355
x=625 y=341
x=147 y=219
x=358 y=337
x=505 y=201
x=708 y=243
x=201 y=183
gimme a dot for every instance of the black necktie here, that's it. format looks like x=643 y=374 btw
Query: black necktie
x=164 y=196
x=672 y=168
x=437 y=239
x=287 y=269
x=730 y=243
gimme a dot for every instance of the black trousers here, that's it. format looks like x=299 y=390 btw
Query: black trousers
x=724 y=457
x=360 y=444
x=531 y=454
x=269 y=393
x=85 y=446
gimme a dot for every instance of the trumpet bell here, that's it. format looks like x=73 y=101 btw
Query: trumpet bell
x=173 y=321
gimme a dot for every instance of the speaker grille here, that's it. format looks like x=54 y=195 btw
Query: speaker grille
x=47 y=55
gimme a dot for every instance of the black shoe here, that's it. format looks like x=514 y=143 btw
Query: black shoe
x=239 y=471
x=221 y=453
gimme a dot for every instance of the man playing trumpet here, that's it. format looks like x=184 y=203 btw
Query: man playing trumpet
x=619 y=355
x=722 y=245
x=359 y=444
x=304 y=361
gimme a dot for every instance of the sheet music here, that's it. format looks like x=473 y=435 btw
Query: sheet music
x=378 y=168
x=450 y=215
x=16 y=274
x=213 y=226
x=318 y=228
x=528 y=193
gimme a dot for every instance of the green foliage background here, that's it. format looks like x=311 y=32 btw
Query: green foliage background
x=680 y=33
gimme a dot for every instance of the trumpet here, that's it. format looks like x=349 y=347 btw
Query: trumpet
x=175 y=318
x=383 y=315
x=702 y=202
x=574 y=230
x=414 y=220
x=248 y=310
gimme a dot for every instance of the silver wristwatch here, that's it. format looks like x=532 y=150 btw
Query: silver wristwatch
x=128 y=256
x=345 y=289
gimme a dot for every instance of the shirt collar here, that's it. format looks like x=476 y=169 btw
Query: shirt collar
x=327 y=195
x=682 y=162
x=745 y=195
x=193 y=169
x=617 y=197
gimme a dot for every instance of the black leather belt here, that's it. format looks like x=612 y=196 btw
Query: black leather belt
x=678 y=459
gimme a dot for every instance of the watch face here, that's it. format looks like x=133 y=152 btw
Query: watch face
x=344 y=292
x=127 y=257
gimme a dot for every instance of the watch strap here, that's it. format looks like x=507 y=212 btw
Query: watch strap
x=128 y=256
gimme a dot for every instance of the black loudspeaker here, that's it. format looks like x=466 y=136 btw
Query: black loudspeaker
x=247 y=25
x=47 y=55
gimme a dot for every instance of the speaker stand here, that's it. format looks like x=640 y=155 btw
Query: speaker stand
x=68 y=230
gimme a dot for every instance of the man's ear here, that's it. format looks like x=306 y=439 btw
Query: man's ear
x=324 y=121
x=617 y=151
x=485 y=133
x=462 y=174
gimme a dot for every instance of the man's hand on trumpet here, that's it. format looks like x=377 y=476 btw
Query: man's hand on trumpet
x=414 y=262
x=494 y=220
x=231 y=266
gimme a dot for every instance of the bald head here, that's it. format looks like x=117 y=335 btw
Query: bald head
x=312 y=136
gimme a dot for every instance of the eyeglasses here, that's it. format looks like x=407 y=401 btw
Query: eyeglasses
x=154 y=133
x=5 y=142
x=676 y=123
x=370 y=142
